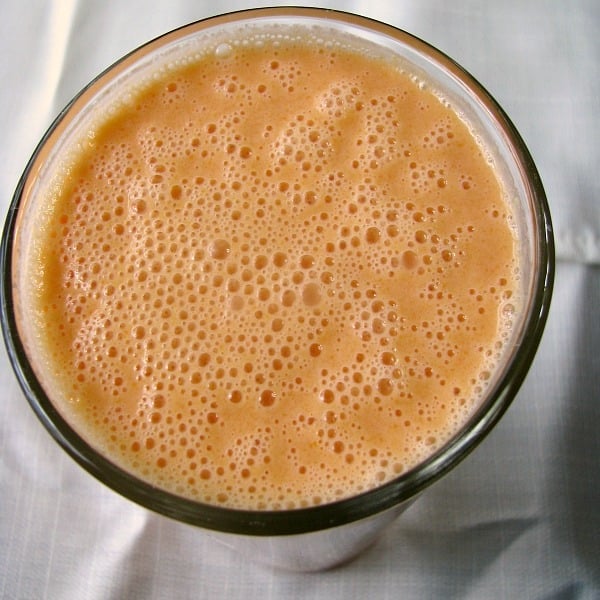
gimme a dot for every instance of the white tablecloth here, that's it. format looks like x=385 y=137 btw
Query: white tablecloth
x=519 y=518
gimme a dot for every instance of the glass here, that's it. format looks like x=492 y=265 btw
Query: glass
x=321 y=536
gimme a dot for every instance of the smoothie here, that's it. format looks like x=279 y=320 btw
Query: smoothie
x=276 y=275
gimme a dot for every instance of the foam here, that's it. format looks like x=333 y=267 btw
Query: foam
x=282 y=275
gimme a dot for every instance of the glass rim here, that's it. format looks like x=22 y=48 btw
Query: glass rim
x=343 y=511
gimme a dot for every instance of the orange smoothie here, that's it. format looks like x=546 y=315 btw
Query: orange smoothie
x=276 y=276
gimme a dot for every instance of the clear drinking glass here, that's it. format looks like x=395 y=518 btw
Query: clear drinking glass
x=321 y=536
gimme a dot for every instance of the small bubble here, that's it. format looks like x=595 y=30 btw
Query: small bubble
x=307 y=261
x=508 y=310
x=219 y=249
x=311 y=294
x=279 y=259
x=315 y=350
x=409 y=259
x=421 y=237
x=139 y=332
x=338 y=447
x=237 y=302
x=327 y=277
x=388 y=358
x=235 y=396
x=373 y=234
x=267 y=398
x=139 y=206
x=288 y=298
x=223 y=50
x=327 y=396
x=310 y=198
x=385 y=386
x=260 y=262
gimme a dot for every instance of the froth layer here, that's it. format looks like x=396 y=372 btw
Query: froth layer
x=278 y=276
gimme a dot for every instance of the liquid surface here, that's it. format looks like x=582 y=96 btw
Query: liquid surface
x=275 y=278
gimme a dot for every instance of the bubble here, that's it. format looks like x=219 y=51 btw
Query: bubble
x=311 y=294
x=307 y=261
x=139 y=206
x=327 y=277
x=223 y=50
x=315 y=350
x=385 y=386
x=508 y=310
x=373 y=235
x=237 y=303
x=267 y=398
x=139 y=332
x=421 y=236
x=279 y=259
x=388 y=359
x=219 y=249
x=409 y=259
x=327 y=396
x=261 y=261
x=310 y=197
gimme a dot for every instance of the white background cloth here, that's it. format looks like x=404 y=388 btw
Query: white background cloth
x=519 y=518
